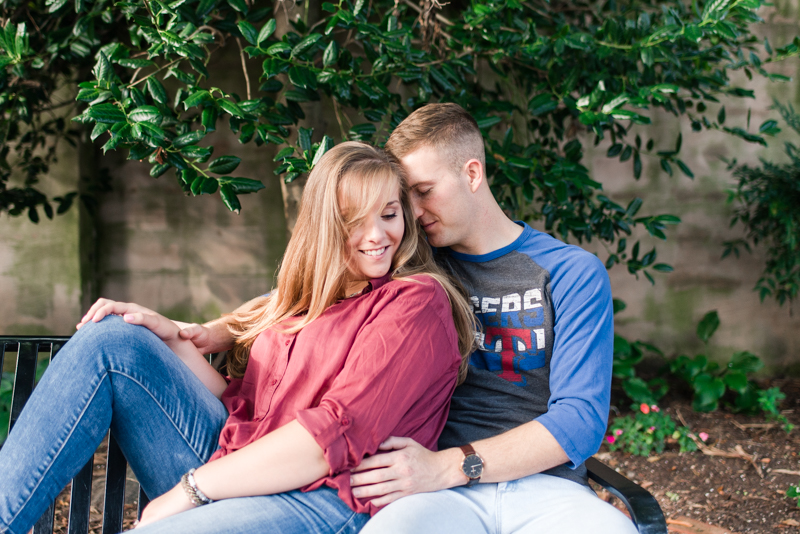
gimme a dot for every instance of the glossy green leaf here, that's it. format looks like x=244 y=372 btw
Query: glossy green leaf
x=324 y=146
x=229 y=198
x=266 y=31
x=157 y=91
x=136 y=63
x=224 y=165
x=188 y=139
x=248 y=32
x=108 y=113
x=707 y=326
x=305 y=44
x=145 y=114
x=241 y=186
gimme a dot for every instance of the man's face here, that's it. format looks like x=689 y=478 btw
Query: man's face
x=441 y=198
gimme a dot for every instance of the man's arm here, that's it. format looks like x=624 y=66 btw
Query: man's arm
x=213 y=336
x=411 y=468
x=570 y=431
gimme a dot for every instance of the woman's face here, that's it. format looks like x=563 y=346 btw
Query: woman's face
x=374 y=242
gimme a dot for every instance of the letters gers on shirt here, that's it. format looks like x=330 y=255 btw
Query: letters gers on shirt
x=513 y=339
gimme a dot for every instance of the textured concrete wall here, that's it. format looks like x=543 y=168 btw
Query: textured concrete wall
x=39 y=263
x=189 y=257
x=192 y=259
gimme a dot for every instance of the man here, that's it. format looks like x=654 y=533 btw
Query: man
x=536 y=398
x=535 y=403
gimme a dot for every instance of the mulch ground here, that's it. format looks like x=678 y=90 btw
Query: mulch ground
x=742 y=493
x=745 y=492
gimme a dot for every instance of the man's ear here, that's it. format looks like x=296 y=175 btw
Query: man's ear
x=474 y=171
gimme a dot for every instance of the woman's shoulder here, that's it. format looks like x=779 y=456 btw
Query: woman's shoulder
x=419 y=287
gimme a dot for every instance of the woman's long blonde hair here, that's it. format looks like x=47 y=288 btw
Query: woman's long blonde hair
x=314 y=270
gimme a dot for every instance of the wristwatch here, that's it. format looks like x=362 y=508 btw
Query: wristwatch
x=471 y=465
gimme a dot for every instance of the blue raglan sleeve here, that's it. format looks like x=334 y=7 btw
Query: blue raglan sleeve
x=582 y=357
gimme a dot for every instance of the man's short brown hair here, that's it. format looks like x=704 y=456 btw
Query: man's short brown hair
x=445 y=127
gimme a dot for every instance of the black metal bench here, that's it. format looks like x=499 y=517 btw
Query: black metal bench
x=644 y=509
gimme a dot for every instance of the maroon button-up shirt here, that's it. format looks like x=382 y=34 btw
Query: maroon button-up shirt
x=381 y=364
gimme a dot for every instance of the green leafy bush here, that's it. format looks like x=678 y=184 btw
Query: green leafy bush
x=533 y=75
x=766 y=203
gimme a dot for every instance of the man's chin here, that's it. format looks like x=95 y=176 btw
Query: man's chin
x=437 y=241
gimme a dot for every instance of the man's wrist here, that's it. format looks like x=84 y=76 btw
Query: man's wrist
x=454 y=476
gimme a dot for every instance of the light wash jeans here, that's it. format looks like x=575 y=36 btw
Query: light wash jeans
x=540 y=504
x=123 y=377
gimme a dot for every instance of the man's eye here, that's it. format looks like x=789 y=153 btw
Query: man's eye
x=423 y=193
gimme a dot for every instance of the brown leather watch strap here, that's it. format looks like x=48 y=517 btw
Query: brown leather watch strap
x=468 y=449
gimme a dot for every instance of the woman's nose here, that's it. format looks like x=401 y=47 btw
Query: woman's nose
x=373 y=231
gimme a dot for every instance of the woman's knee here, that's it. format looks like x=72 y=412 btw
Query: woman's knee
x=111 y=340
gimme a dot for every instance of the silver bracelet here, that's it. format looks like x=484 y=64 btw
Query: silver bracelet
x=194 y=494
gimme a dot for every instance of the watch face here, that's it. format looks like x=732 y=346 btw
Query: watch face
x=473 y=466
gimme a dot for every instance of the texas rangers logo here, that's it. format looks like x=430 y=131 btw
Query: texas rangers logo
x=513 y=337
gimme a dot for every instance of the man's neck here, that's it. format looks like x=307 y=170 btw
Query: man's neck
x=492 y=231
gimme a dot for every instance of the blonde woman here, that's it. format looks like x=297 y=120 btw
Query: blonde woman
x=363 y=338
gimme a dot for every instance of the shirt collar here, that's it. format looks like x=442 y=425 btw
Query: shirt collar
x=375 y=283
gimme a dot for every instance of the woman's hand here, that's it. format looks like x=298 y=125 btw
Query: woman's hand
x=172 y=502
x=133 y=314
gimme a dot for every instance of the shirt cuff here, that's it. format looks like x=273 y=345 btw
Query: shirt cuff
x=328 y=427
x=562 y=436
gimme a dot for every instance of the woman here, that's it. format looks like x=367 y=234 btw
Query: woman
x=358 y=342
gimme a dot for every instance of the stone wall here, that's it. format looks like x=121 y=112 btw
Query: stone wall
x=191 y=259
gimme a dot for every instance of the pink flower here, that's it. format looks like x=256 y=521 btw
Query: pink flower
x=652 y=428
x=644 y=408
x=703 y=436
x=655 y=408
x=618 y=432
x=611 y=439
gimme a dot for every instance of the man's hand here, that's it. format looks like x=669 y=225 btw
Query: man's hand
x=409 y=468
x=172 y=502
x=209 y=337
x=200 y=335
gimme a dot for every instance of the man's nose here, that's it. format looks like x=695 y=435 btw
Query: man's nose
x=416 y=207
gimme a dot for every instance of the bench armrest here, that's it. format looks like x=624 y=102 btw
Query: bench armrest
x=643 y=507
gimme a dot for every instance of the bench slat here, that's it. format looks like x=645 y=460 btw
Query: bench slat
x=23 y=381
x=80 y=502
x=45 y=523
x=116 y=466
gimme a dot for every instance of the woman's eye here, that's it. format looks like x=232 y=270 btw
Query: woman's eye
x=389 y=216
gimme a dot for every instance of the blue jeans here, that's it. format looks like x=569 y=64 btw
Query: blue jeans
x=112 y=375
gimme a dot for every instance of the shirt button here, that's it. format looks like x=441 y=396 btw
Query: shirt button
x=273 y=382
x=345 y=421
x=287 y=342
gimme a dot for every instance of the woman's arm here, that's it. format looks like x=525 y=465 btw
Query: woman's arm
x=285 y=459
x=167 y=331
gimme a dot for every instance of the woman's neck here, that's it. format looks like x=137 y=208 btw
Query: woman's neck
x=355 y=287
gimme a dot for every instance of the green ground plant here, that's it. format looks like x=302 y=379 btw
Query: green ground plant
x=647 y=428
x=646 y=431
